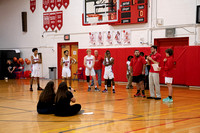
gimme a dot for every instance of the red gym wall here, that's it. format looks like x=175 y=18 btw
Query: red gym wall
x=187 y=70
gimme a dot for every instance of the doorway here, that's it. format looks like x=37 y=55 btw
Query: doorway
x=179 y=45
x=72 y=47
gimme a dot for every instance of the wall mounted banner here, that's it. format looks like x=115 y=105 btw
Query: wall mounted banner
x=32 y=5
x=52 y=4
x=59 y=4
x=46 y=21
x=59 y=19
x=52 y=20
x=65 y=3
x=45 y=4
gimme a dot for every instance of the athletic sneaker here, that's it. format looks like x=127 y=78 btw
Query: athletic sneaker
x=137 y=95
x=143 y=95
x=31 y=89
x=40 y=89
x=168 y=100
x=105 y=91
x=96 y=89
x=113 y=90
x=89 y=89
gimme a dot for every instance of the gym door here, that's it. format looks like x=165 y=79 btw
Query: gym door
x=72 y=47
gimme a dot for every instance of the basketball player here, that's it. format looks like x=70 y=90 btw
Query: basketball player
x=100 y=39
x=108 y=73
x=66 y=62
x=109 y=38
x=36 y=61
x=117 y=37
x=89 y=62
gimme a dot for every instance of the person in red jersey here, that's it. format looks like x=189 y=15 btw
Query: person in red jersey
x=137 y=67
x=168 y=73
x=154 y=80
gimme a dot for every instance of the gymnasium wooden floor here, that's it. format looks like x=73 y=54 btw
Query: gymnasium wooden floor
x=113 y=113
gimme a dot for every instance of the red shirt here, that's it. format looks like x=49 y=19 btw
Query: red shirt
x=156 y=57
x=98 y=62
x=168 y=67
x=137 y=64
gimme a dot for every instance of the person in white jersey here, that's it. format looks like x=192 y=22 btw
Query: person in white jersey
x=89 y=61
x=66 y=62
x=36 y=61
x=108 y=73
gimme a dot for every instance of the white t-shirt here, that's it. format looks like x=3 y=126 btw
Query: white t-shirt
x=128 y=63
x=66 y=62
x=35 y=59
x=108 y=68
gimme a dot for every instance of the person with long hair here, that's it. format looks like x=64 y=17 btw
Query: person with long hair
x=62 y=102
x=46 y=100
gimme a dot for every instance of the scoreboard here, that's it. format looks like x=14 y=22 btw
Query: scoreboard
x=132 y=12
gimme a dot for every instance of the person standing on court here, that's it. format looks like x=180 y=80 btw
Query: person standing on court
x=154 y=80
x=89 y=61
x=128 y=73
x=66 y=62
x=137 y=67
x=36 y=61
x=98 y=67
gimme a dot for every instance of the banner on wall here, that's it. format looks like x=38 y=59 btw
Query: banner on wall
x=108 y=36
x=32 y=5
x=117 y=37
x=92 y=38
x=52 y=18
x=52 y=4
x=100 y=38
x=59 y=4
x=65 y=3
x=126 y=37
x=59 y=19
x=46 y=21
x=45 y=4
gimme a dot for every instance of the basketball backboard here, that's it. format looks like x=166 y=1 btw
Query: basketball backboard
x=100 y=12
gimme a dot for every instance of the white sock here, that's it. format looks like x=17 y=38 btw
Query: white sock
x=113 y=87
x=95 y=86
x=106 y=87
x=88 y=85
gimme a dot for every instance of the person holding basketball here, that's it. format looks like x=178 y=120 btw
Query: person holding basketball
x=89 y=61
x=36 y=61
x=108 y=73
x=66 y=62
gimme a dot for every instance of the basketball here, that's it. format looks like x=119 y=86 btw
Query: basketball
x=22 y=63
x=26 y=59
x=28 y=62
x=15 y=59
x=20 y=60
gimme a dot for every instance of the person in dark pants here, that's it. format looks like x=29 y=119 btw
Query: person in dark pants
x=62 y=102
x=46 y=101
x=10 y=70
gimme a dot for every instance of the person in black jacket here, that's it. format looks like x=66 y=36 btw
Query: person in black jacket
x=46 y=101
x=62 y=102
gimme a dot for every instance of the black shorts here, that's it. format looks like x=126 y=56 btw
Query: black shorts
x=138 y=79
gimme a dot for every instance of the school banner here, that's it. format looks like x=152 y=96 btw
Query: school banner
x=59 y=4
x=32 y=5
x=52 y=4
x=59 y=19
x=52 y=20
x=46 y=21
x=45 y=4
x=65 y=3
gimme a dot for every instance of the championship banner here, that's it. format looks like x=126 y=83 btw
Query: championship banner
x=52 y=20
x=59 y=4
x=32 y=5
x=59 y=19
x=65 y=3
x=52 y=4
x=45 y=4
x=46 y=21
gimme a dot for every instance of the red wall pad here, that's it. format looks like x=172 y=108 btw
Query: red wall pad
x=120 y=56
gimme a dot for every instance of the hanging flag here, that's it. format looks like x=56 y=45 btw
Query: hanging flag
x=45 y=4
x=65 y=3
x=59 y=19
x=52 y=20
x=52 y=4
x=46 y=21
x=32 y=5
x=59 y=4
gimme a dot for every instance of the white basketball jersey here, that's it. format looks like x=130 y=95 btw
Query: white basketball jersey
x=66 y=62
x=108 y=68
x=89 y=60
x=35 y=59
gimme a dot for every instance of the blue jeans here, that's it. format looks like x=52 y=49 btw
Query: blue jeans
x=98 y=72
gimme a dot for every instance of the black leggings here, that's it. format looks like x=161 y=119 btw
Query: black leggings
x=72 y=110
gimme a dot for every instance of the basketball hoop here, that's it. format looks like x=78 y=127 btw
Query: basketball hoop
x=95 y=15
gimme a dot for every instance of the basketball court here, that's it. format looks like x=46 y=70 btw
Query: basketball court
x=121 y=27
